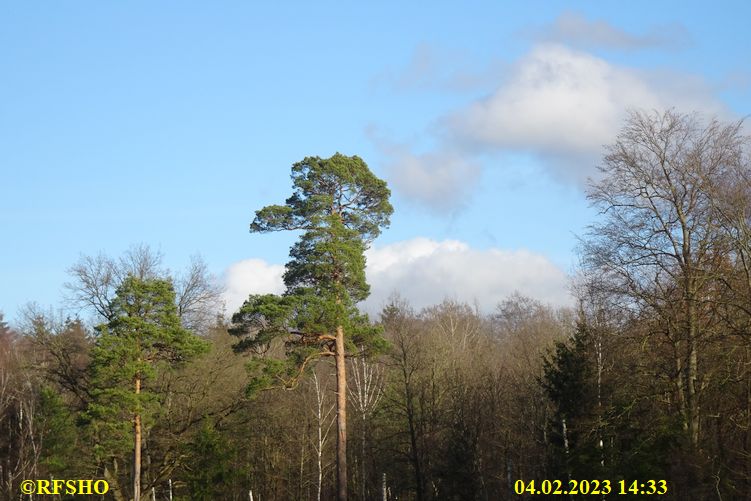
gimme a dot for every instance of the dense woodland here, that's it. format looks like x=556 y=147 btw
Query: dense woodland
x=646 y=377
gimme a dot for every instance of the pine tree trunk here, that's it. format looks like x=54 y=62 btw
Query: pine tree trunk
x=137 y=448
x=341 y=417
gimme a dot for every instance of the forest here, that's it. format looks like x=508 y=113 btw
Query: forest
x=644 y=382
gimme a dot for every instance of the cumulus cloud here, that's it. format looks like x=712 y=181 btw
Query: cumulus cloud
x=564 y=105
x=425 y=272
x=250 y=276
x=557 y=103
x=576 y=30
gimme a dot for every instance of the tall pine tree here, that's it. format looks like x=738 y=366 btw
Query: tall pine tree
x=340 y=207
x=143 y=336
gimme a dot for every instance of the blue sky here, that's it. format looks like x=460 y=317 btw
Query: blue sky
x=170 y=123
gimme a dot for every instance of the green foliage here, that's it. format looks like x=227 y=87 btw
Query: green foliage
x=339 y=206
x=58 y=432
x=210 y=472
x=265 y=372
x=143 y=337
x=568 y=383
x=567 y=375
x=637 y=440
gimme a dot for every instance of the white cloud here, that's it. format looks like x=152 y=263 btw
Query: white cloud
x=440 y=181
x=575 y=29
x=557 y=103
x=250 y=276
x=564 y=105
x=425 y=272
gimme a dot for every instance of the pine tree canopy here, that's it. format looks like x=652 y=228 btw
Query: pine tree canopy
x=340 y=207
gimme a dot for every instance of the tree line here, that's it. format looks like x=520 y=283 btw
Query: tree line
x=301 y=396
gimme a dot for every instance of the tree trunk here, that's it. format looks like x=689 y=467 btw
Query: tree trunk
x=692 y=368
x=414 y=456
x=680 y=384
x=114 y=484
x=137 y=448
x=319 y=452
x=341 y=417
x=362 y=460
x=598 y=348
x=565 y=446
x=320 y=418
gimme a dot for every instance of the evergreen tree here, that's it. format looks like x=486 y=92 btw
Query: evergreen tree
x=58 y=432
x=143 y=335
x=602 y=428
x=340 y=207
x=568 y=383
x=210 y=474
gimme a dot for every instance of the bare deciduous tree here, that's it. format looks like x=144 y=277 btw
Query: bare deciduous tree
x=20 y=445
x=94 y=280
x=365 y=392
x=198 y=296
x=325 y=418
x=456 y=321
x=659 y=246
